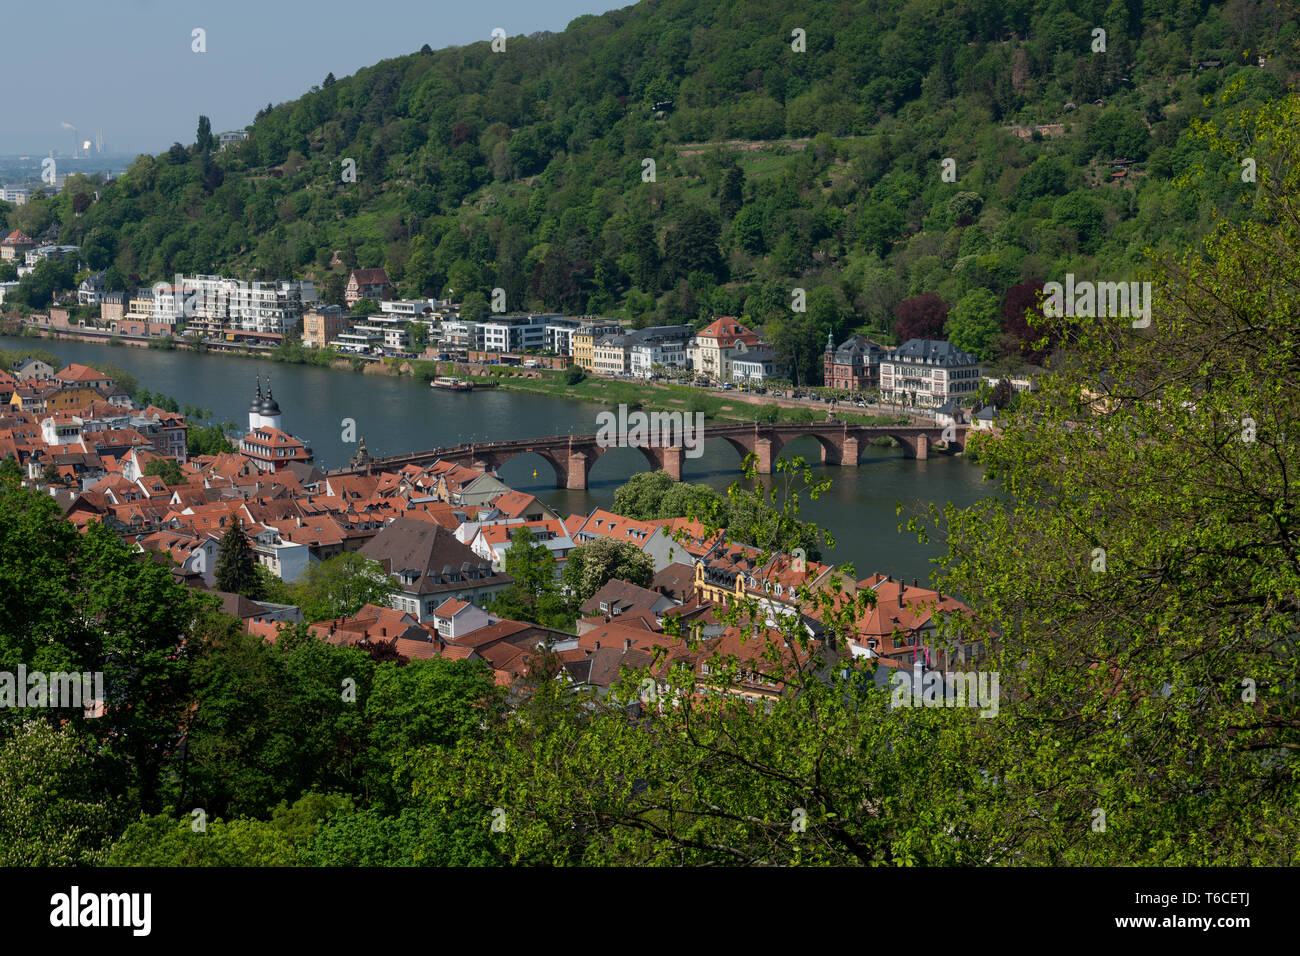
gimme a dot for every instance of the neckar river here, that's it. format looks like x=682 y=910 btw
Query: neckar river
x=401 y=414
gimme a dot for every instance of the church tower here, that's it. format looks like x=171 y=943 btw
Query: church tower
x=255 y=409
x=271 y=417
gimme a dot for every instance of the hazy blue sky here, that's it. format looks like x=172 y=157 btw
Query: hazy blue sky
x=126 y=65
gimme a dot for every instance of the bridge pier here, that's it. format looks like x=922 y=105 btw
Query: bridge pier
x=672 y=458
x=575 y=476
x=922 y=447
x=763 y=449
x=849 y=453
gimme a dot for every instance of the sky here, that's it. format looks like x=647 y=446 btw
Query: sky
x=128 y=67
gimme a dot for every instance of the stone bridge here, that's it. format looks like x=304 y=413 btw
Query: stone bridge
x=572 y=456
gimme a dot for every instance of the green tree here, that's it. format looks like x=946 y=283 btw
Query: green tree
x=207 y=440
x=1085 y=215
x=529 y=562
x=163 y=840
x=204 y=141
x=535 y=593
x=11 y=473
x=693 y=246
x=427 y=703
x=167 y=469
x=640 y=496
x=591 y=565
x=340 y=586
x=273 y=721
x=55 y=809
x=235 y=563
x=474 y=306
x=974 y=324
x=1148 y=615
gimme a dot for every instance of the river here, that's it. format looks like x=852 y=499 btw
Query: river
x=401 y=414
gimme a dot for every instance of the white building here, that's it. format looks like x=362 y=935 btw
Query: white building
x=754 y=366
x=454 y=619
x=925 y=372
x=213 y=303
x=287 y=560
x=90 y=289
x=462 y=334
x=411 y=308
x=53 y=253
x=644 y=356
x=18 y=195
x=515 y=333
x=558 y=334
x=360 y=339
x=270 y=307
x=61 y=429
x=386 y=330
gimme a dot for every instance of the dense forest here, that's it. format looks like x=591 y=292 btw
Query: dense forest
x=774 y=167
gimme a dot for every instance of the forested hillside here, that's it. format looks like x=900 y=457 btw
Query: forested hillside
x=774 y=168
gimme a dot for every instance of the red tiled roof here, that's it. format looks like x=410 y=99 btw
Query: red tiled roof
x=79 y=373
x=450 y=607
x=728 y=331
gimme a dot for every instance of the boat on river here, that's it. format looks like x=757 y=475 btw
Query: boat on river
x=451 y=384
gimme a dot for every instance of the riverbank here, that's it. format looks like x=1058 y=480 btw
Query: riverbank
x=651 y=396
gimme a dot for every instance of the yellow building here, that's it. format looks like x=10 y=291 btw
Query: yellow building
x=584 y=350
x=72 y=399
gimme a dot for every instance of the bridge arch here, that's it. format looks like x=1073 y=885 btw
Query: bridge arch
x=831 y=446
x=630 y=458
x=742 y=446
x=559 y=468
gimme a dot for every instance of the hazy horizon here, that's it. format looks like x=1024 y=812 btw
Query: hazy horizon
x=128 y=68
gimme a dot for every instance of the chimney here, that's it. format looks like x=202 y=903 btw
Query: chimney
x=627 y=643
x=913 y=582
x=598 y=645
